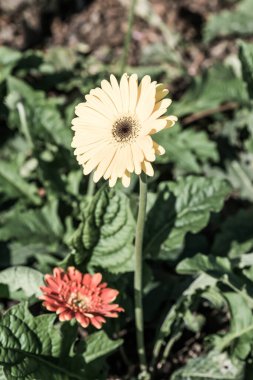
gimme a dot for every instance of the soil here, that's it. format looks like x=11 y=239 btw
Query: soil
x=99 y=26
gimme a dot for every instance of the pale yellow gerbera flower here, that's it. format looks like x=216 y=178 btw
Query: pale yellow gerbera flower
x=113 y=128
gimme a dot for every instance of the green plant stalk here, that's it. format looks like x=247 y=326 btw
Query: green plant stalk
x=91 y=186
x=138 y=273
x=160 y=340
x=169 y=346
x=128 y=36
x=24 y=124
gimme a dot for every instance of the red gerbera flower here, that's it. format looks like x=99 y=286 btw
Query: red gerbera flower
x=80 y=296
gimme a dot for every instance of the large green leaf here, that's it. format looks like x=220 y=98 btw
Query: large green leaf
x=236 y=21
x=34 y=226
x=43 y=117
x=8 y=59
x=32 y=348
x=214 y=366
x=241 y=327
x=199 y=263
x=221 y=269
x=236 y=235
x=12 y=185
x=216 y=86
x=188 y=149
x=2 y=375
x=105 y=237
x=99 y=344
x=180 y=208
x=22 y=278
x=246 y=58
x=176 y=318
x=240 y=175
x=22 y=253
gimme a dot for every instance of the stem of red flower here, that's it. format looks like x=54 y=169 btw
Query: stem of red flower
x=138 y=274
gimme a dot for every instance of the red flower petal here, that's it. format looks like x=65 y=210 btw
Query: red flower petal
x=84 y=321
x=109 y=295
x=74 y=274
x=96 y=279
x=96 y=323
x=66 y=316
x=87 y=279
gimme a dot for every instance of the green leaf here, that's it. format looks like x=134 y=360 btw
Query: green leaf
x=230 y=22
x=59 y=58
x=220 y=269
x=25 y=92
x=8 y=59
x=246 y=58
x=217 y=85
x=34 y=226
x=19 y=254
x=180 y=208
x=188 y=149
x=99 y=344
x=2 y=375
x=235 y=236
x=14 y=186
x=240 y=175
x=105 y=237
x=241 y=327
x=43 y=117
x=22 y=278
x=193 y=321
x=206 y=264
x=175 y=320
x=32 y=348
x=214 y=366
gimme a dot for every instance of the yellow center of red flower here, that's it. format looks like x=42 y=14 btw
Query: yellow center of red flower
x=79 y=301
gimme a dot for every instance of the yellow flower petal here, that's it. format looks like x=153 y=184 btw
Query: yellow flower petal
x=153 y=126
x=133 y=90
x=107 y=88
x=147 y=168
x=112 y=181
x=111 y=167
x=104 y=164
x=116 y=92
x=124 y=90
x=126 y=179
x=129 y=159
x=137 y=158
x=146 y=102
x=159 y=150
x=146 y=145
x=95 y=103
x=161 y=92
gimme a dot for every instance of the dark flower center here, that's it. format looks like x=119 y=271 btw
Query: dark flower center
x=125 y=129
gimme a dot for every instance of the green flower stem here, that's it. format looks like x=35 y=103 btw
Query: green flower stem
x=128 y=36
x=138 y=274
x=91 y=186
x=24 y=124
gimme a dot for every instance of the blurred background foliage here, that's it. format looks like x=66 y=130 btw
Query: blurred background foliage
x=199 y=235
